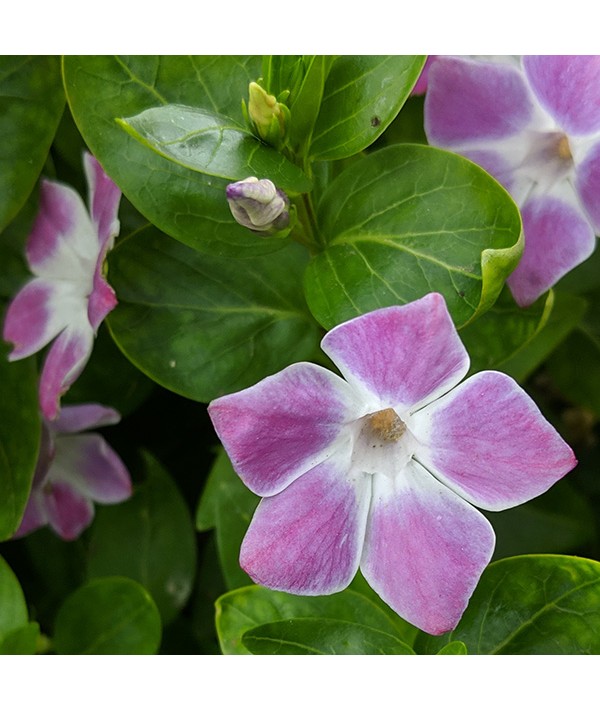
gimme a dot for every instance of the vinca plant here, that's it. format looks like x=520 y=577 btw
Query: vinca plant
x=300 y=355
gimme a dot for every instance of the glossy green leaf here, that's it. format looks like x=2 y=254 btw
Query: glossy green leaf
x=362 y=96
x=241 y=610
x=212 y=144
x=183 y=203
x=13 y=609
x=531 y=604
x=108 y=616
x=454 y=648
x=321 y=636
x=222 y=325
x=20 y=429
x=227 y=505
x=22 y=640
x=149 y=538
x=31 y=104
x=408 y=220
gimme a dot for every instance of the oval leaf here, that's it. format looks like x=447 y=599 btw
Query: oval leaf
x=13 y=609
x=22 y=640
x=362 y=96
x=407 y=220
x=454 y=648
x=321 y=636
x=180 y=298
x=532 y=604
x=108 y=616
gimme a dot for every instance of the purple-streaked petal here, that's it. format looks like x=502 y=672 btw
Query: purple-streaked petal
x=568 y=87
x=400 y=356
x=37 y=314
x=307 y=540
x=495 y=163
x=76 y=418
x=63 y=365
x=469 y=101
x=284 y=425
x=588 y=184
x=91 y=467
x=68 y=512
x=104 y=198
x=102 y=300
x=558 y=237
x=425 y=549
x=488 y=441
x=63 y=242
x=421 y=86
x=35 y=515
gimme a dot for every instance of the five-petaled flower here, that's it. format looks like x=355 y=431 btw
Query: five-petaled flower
x=73 y=471
x=535 y=126
x=383 y=470
x=68 y=297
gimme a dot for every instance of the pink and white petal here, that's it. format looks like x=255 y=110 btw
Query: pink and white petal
x=469 y=101
x=35 y=515
x=400 y=356
x=102 y=300
x=588 y=184
x=568 y=87
x=65 y=360
x=307 y=540
x=284 y=425
x=495 y=163
x=91 y=467
x=62 y=243
x=421 y=86
x=425 y=549
x=76 y=418
x=104 y=198
x=37 y=314
x=488 y=441
x=68 y=512
x=558 y=237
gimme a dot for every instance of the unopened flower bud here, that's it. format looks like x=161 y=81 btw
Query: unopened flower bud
x=267 y=114
x=259 y=205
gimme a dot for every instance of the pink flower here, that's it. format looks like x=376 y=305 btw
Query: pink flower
x=534 y=124
x=68 y=297
x=382 y=470
x=73 y=471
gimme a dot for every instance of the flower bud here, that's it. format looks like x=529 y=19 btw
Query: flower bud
x=267 y=114
x=259 y=205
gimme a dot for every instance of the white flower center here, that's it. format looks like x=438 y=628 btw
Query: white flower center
x=383 y=444
x=549 y=159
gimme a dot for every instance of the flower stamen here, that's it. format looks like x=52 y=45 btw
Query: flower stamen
x=386 y=425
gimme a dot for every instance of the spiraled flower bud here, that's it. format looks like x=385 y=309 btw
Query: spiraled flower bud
x=268 y=115
x=259 y=205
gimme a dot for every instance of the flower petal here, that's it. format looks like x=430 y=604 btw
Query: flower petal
x=104 y=198
x=68 y=512
x=63 y=242
x=568 y=87
x=76 y=418
x=63 y=365
x=588 y=184
x=37 y=314
x=307 y=540
x=35 y=515
x=488 y=441
x=284 y=425
x=425 y=549
x=92 y=468
x=102 y=300
x=400 y=356
x=558 y=237
x=468 y=101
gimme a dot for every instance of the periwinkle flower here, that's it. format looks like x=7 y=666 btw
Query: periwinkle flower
x=383 y=470
x=534 y=124
x=68 y=297
x=259 y=205
x=74 y=470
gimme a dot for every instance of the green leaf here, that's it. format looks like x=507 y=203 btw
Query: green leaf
x=222 y=325
x=212 y=144
x=20 y=429
x=22 y=640
x=321 y=636
x=454 y=648
x=13 y=609
x=31 y=104
x=183 y=203
x=242 y=610
x=149 y=538
x=362 y=96
x=108 y=616
x=531 y=604
x=227 y=505
x=408 y=220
